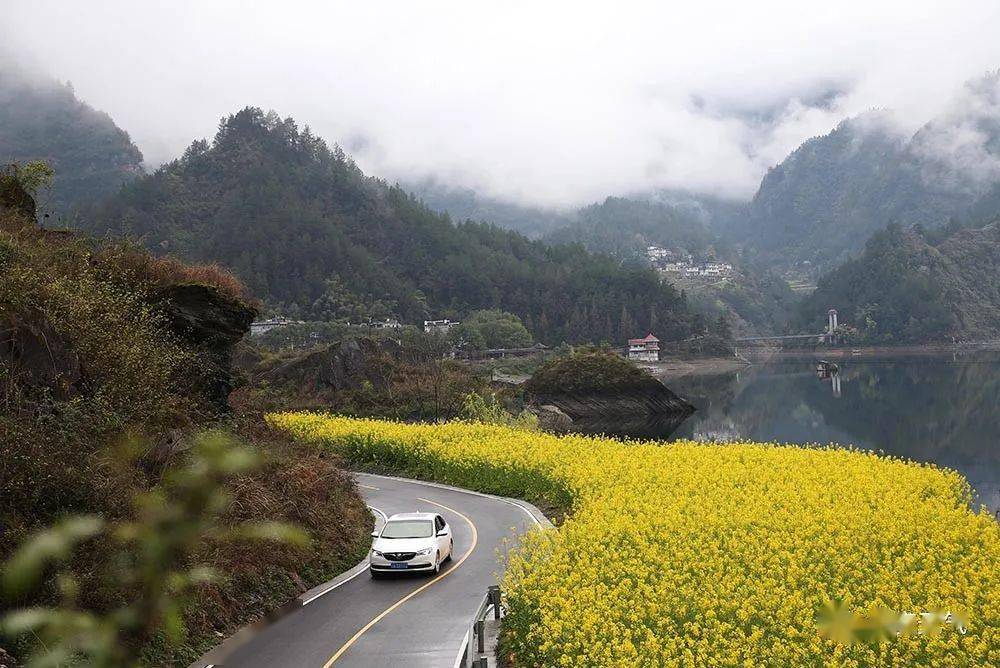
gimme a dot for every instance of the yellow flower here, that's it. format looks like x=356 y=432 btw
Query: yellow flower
x=709 y=554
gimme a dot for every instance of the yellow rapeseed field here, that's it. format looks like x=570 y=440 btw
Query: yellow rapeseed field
x=688 y=554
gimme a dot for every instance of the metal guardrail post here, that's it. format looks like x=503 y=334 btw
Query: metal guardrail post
x=494 y=594
x=484 y=662
x=481 y=637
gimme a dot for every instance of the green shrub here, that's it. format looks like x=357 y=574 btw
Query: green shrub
x=152 y=555
x=488 y=409
x=587 y=371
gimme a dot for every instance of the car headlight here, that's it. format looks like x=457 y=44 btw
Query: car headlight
x=377 y=553
x=423 y=553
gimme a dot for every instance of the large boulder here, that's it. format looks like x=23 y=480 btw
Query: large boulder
x=346 y=365
x=652 y=400
x=203 y=317
x=601 y=384
x=551 y=419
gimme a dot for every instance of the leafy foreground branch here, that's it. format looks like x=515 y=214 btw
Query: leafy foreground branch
x=153 y=557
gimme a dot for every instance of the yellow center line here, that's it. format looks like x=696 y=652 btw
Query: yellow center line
x=364 y=629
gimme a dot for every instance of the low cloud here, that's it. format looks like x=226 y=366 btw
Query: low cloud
x=554 y=104
x=961 y=147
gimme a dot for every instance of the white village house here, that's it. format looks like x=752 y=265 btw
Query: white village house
x=373 y=323
x=263 y=326
x=439 y=326
x=644 y=350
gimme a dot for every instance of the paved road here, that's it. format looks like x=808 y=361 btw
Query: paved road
x=414 y=620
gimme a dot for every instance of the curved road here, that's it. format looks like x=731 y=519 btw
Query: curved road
x=412 y=620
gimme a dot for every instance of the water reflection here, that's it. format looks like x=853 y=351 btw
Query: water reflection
x=655 y=427
x=932 y=409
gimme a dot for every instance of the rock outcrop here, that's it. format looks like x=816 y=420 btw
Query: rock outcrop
x=346 y=365
x=201 y=316
x=649 y=400
x=601 y=384
x=551 y=419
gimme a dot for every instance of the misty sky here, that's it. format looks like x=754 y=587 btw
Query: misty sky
x=547 y=103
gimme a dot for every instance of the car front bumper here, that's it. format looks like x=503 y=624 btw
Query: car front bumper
x=417 y=563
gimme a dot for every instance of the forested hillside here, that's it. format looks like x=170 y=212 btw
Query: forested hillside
x=464 y=204
x=310 y=233
x=624 y=227
x=912 y=286
x=114 y=366
x=41 y=119
x=755 y=298
x=823 y=202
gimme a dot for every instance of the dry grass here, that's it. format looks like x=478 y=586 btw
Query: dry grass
x=167 y=270
x=300 y=485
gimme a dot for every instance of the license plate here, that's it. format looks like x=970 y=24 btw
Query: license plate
x=396 y=564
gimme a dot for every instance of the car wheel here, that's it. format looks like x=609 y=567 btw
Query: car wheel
x=451 y=548
x=437 y=563
x=375 y=574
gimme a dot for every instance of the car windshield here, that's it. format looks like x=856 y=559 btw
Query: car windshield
x=408 y=529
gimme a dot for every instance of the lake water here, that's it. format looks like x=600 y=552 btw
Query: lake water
x=943 y=409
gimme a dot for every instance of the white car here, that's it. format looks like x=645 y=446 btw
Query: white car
x=411 y=542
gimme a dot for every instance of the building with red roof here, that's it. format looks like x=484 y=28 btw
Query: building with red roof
x=644 y=350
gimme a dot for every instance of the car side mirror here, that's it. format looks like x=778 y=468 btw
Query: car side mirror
x=374 y=534
x=443 y=532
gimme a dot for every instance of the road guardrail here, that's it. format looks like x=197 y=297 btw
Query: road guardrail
x=474 y=653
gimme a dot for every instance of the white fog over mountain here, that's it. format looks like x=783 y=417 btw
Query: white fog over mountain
x=555 y=106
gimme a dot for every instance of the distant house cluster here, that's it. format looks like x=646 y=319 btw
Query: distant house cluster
x=679 y=264
x=439 y=326
x=658 y=254
x=707 y=269
x=261 y=326
x=375 y=323
x=644 y=350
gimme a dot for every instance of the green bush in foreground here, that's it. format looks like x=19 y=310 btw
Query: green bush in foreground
x=153 y=557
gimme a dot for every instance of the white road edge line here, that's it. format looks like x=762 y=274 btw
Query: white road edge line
x=355 y=572
x=385 y=518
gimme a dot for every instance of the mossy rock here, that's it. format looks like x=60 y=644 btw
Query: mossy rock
x=589 y=372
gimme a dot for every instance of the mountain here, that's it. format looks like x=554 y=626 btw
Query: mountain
x=822 y=202
x=625 y=227
x=42 y=119
x=722 y=216
x=754 y=298
x=914 y=286
x=310 y=233
x=464 y=204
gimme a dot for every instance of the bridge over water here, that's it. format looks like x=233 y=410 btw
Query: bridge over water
x=822 y=337
x=819 y=338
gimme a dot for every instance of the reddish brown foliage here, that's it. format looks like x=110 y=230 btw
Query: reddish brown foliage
x=167 y=270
